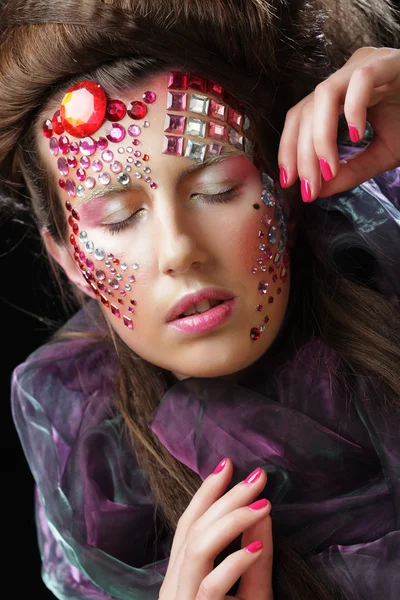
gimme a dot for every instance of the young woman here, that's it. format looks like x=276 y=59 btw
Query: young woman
x=238 y=341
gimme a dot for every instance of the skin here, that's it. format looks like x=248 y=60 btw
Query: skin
x=183 y=240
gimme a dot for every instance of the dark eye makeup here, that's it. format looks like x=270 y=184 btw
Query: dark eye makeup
x=225 y=196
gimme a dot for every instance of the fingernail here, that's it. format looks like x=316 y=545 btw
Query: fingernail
x=325 y=169
x=354 y=133
x=283 y=178
x=305 y=190
x=220 y=466
x=254 y=546
x=258 y=504
x=253 y=476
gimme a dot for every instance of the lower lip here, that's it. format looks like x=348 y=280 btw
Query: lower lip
x=205 y=321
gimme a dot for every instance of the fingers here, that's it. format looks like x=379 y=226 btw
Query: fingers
x=308 y=146
x=200 y=552
x=260 y=570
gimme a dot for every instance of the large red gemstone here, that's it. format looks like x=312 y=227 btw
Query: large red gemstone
x=83 y=108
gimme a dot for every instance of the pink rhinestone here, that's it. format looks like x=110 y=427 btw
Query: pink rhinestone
x=149 y=97
x=62 y=166
x=102 y=143
x=128 y=322
x=84 y=162
x=90 y=183
x=216 y=131
x=101 y=286
x=153 y=186
x=89 y=264
x=70 y=187
x=74 y=148
x=197 y=83
x=122 y=293
x=81 y=174
x=217 y=110
x=254 y=270
x=215 y=89
x=268 y=254
x=64 y=144
x=116 y=167
x=137 y=110
x=82 y=255
x=116 y=110
x=97 y=166
x=147 y=179
x=100 y=275
x=174 y=124
x=173 y=145
x=114 y=283
x=57 y=123
x=72 y=162
x=115 y=133
x=137 y=153
x=54 y=147
x=132 y=279
x=113 y=271
x=136 y=142
x=260 y=234
x=131 y=309
x=107 y=156
x=88 y=146
x=214 y=149
x=260 y=261
x=176 y=101
x=266 y=220
x=234 y=119
x=47 y=128
x=115 y=310
x=121 y=150
x=259 y=307
x=134 y=130
x=177 y=80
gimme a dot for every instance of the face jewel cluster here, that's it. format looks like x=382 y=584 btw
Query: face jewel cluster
x=214 y=114
x=84 y=109
x=270 y=248
x=112 y=280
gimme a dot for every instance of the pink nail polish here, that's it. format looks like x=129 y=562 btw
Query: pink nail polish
x=354 y=133
x=325 y=169
x=258 y=504
x=254 y=546
x=220 y=466
x=253 y=476
x=305 y=190
x=283 y=178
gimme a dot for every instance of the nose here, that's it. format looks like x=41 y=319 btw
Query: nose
x=179 y=247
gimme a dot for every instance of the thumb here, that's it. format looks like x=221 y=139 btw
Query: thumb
x=373 y=160
x=256 y=581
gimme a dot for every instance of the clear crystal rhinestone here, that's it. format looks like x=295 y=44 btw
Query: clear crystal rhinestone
x=262 y=328
x=108 y=263
x=146 y=124
x=267 y=198
x=262 y=247
x=83 y=236
x=235 y=139
x=104 y=178
x=123 y=178
x=80 y=191
x=135 y=266
x=195 y=150
x=263 y=268
x=272 y=235
x=138 y=175
x=128 y=287
x=199 y=104
x=89 y=246
x=128 y=168
x=196 y=127
x=147 y=170
x=263 y=287
x=99 y=253
x=124 y=266
x=118 y=276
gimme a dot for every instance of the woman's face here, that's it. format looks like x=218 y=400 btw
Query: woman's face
x=198 y=226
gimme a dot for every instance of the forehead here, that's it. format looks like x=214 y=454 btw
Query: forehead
x=170 y=115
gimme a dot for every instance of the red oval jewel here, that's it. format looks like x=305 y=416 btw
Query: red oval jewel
x=72 y=162
x=62 y=184
x=137 y=110
x=57 y=123
x=116 y=110
x=47 y=128
x=63 y=144
x=83 y=108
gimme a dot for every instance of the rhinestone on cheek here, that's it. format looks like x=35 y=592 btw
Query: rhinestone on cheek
x=116 y=167
x=102 y=143
x=71 y=188
x=128 y=322
x=97 y=166
x=54 y=147
x=108 y=156
x=255 y=333
x=104 y=178
x=263 y=287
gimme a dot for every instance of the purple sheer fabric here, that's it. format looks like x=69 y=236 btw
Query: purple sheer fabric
x=333 y=470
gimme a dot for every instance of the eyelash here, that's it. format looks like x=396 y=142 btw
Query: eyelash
x=226 y=196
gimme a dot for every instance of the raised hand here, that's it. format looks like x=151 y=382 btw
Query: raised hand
x=209 y=524
x=367 y=87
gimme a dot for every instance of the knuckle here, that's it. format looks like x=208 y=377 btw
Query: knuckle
x=194 y=550
x=363 y=71
x=207 y=590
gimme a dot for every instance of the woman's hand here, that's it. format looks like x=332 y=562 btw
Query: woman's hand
x=208 y=525
x=367 y=87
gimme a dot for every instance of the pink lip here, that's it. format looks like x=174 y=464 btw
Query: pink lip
x=208 y=293
x=205 y=321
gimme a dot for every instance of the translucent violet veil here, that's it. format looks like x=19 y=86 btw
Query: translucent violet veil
x=333 y=470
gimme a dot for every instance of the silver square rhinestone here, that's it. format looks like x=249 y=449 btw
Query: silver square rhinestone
x=235 y=139
x=196 y=127
x=195 y=150
x=199 y=104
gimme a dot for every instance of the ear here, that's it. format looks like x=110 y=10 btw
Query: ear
x=64 y=258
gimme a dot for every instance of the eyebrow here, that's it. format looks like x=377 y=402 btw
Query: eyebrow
x=118 y=188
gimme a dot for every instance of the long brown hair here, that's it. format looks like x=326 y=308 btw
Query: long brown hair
x=267 y=54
